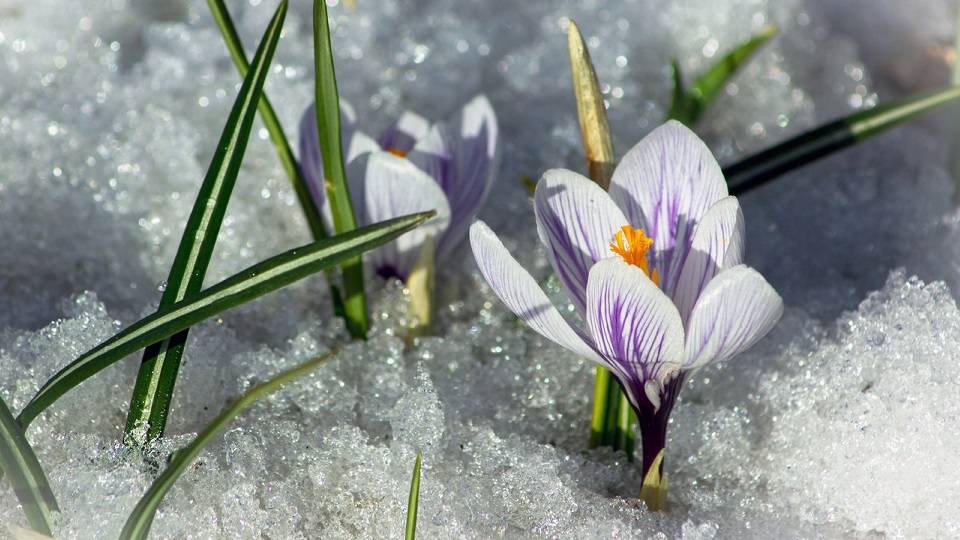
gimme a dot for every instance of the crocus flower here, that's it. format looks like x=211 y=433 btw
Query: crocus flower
x=412 y=167
x=653 y=268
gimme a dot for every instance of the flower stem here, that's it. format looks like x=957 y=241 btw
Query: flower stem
x=624 y=427
x=598 y=422
x=652 y=423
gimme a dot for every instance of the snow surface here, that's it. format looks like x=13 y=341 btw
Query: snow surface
x=843 y=423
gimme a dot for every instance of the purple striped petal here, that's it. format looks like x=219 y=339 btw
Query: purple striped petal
x=717 y=244
x=394 y=187
x=665 y=184
x=633 y=324
x=576 y=221
x=520 y=292
x=473 y=137
x=735 y=310
x=403 y=134
x=359 y=144
x=311 y=163
x=433 y=154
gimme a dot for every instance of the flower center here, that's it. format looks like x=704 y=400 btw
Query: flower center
x=632 y=244
x=397 y=152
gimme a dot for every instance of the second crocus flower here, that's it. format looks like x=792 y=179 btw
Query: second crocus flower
x=412 y=166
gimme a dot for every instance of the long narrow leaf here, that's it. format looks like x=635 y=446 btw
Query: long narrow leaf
x=678 y=103
x=953 y=137
x=414 y=500
x=153 y=391
x=26 y=476
x=331 y=150
x=138 y=524
x=253 y=282
x=230 y=36
x=705 y=90
x=812 y=145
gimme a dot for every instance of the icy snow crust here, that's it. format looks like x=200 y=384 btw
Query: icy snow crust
x=843 y=423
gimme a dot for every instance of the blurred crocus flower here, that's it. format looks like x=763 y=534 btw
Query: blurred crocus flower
x=412 y=167
x=654 y=269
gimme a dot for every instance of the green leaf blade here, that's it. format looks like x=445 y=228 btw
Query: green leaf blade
x=331 y=150
x=705 y=90
x=153 y=392
x=270 y=121
x=22 y=467
x=805 y=148
x=414 y=500
x=251 y=283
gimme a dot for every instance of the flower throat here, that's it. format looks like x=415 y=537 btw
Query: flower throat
x=632 y=245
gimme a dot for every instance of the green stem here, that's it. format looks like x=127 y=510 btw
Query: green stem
x=601 y=387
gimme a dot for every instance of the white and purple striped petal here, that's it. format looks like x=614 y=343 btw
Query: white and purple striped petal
x=475 y=149
x=633 y=324
x=664 y=185
x=735 y=310
x=576 y=221
x=394 y=187
x=403 y=134
x=717 y=244
x=520 y=292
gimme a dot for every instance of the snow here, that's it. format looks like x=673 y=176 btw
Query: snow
x=841 y=424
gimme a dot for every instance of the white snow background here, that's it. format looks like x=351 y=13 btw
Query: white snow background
x=843 y=423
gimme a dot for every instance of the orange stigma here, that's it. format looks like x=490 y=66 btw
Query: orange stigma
x=632 y=244
x=397 y=152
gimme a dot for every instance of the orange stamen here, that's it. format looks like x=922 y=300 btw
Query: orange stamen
x=632 y=244
x=397 y=152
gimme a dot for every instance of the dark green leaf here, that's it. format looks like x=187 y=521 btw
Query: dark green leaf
x=153 y=391
x=331 y=150
x=812 y=145
x=678 y=104
x=705 y=90
x=222 y=17
x=253 y=282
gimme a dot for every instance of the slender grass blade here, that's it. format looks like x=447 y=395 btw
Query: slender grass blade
x=153 y=391
x=270 y=121
x=138 y=524
x=256 y=281
x=759 y=169
x=26 y=476
x=331 y=150
x=678 y=103
x=414 y=500
x=689 y=109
